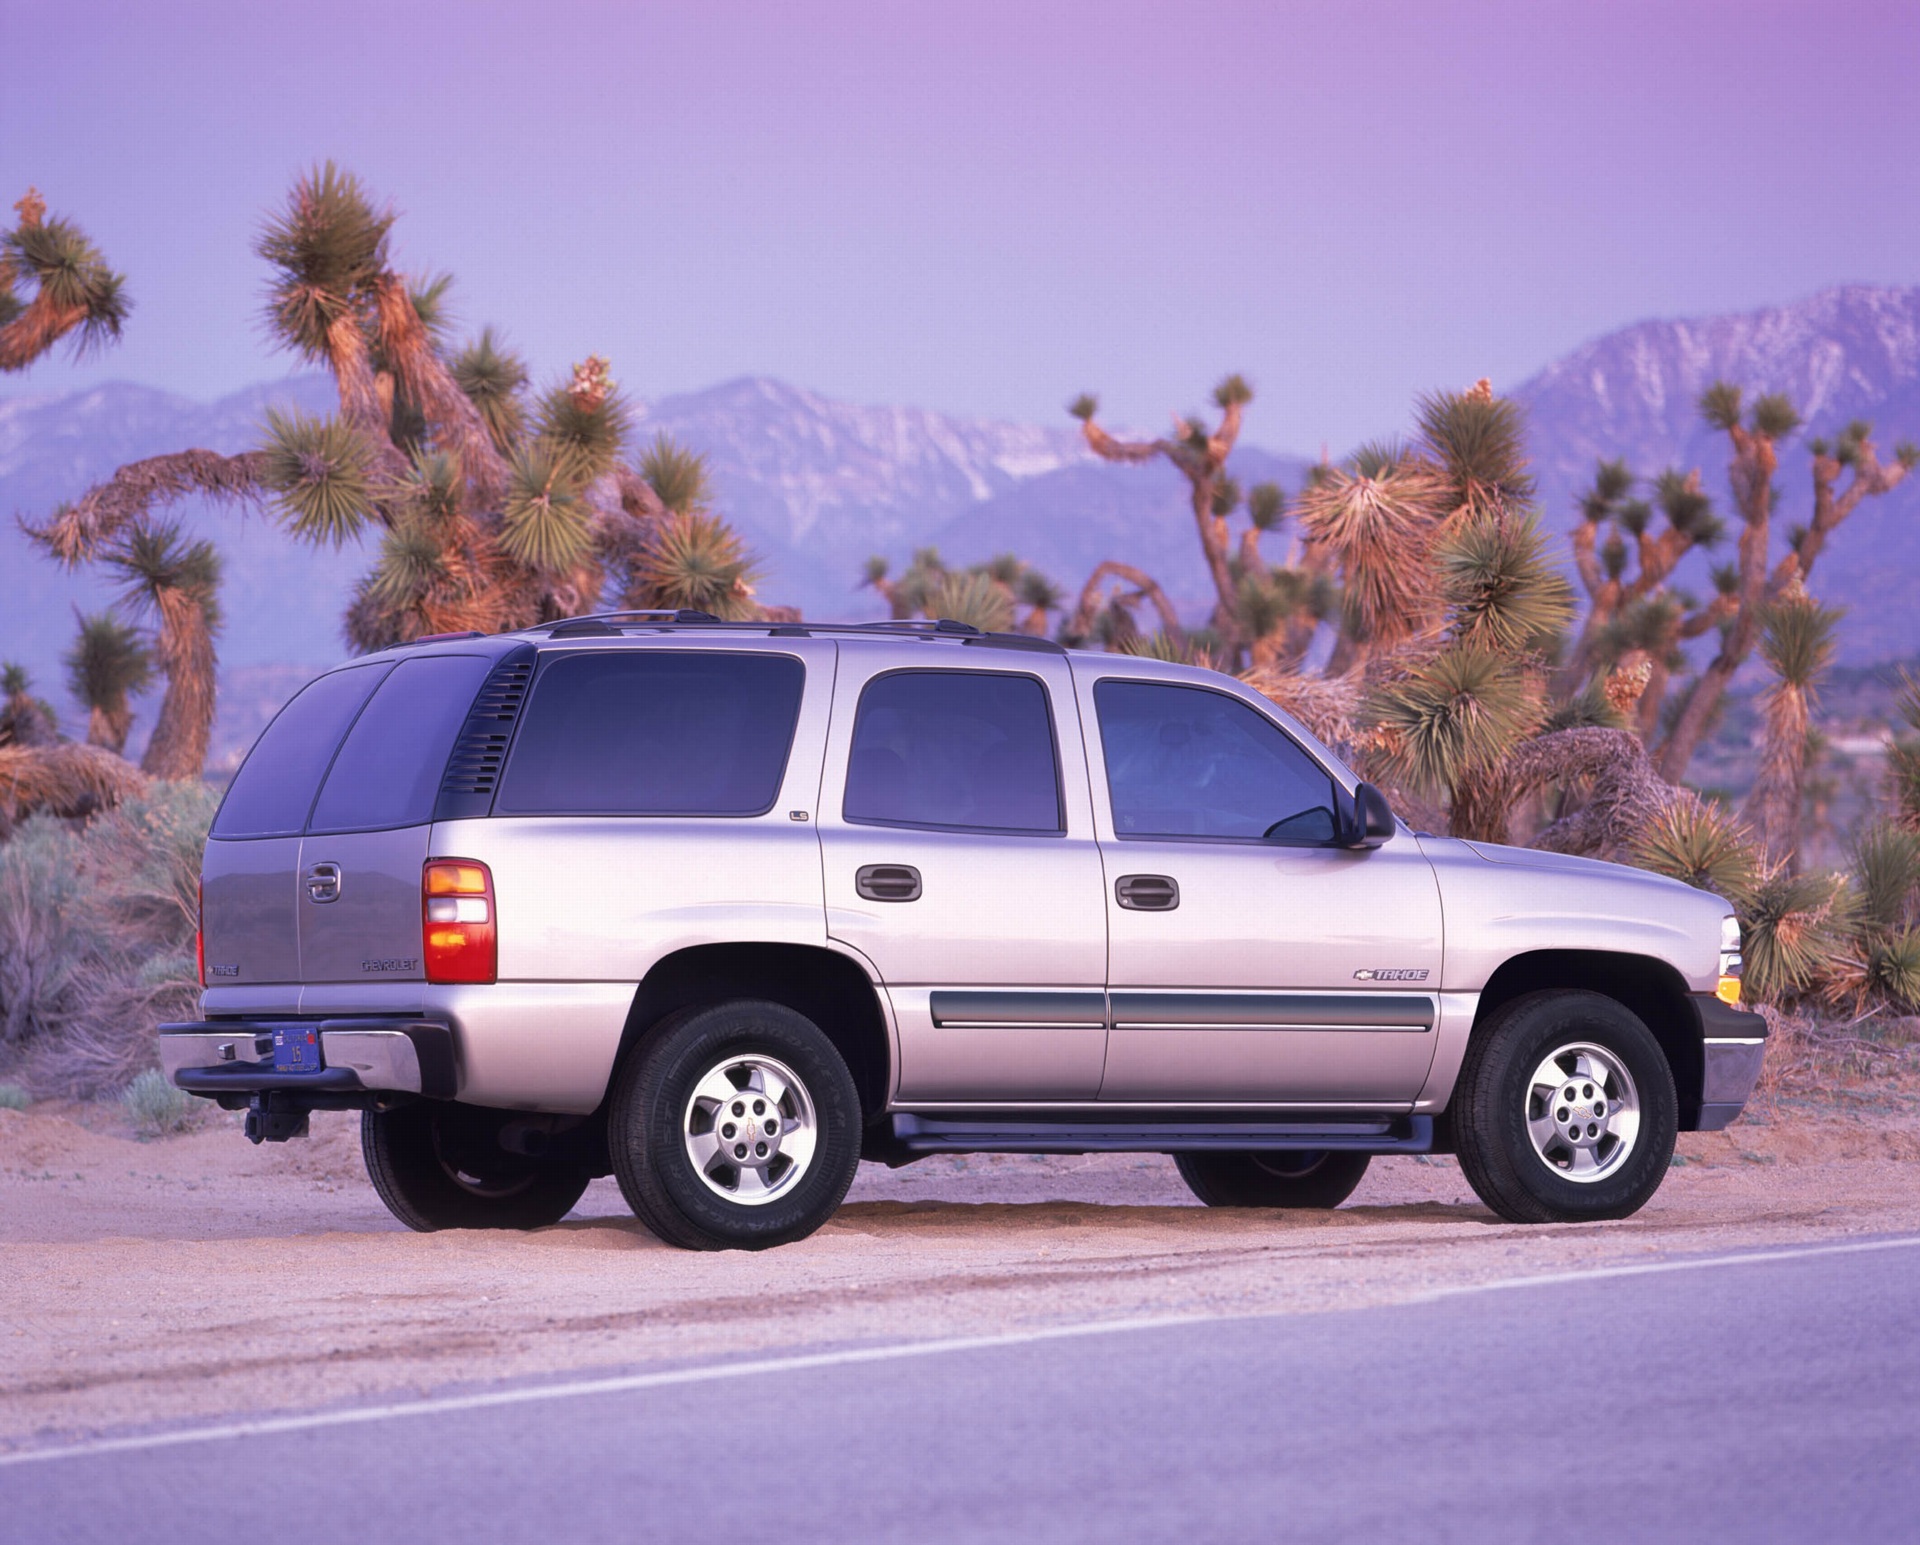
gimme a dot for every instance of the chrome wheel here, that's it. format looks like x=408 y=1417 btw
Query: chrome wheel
x=1583 y=1112
x=750 y=1129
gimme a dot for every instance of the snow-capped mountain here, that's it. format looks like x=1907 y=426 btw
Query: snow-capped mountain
x=1845 y=353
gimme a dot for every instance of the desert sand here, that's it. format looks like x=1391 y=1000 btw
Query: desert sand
x=147 y=1282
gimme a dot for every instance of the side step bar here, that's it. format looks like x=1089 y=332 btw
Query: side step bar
x=934 y=1134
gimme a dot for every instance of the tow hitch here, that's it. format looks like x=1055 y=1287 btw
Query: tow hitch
x=274 y=1116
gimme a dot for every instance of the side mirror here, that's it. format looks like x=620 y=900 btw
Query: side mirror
x=1370 y=820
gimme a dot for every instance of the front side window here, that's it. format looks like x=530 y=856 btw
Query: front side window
x=388 y=770
x=273 y=791
x=654 y=732
x=1189 y=762
x=967 y=749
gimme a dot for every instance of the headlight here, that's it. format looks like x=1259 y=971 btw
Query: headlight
x=1729 y=989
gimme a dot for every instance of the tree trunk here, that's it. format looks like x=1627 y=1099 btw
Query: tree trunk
x=178 y=749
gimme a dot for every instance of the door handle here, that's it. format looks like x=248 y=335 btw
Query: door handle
x=323 y=882
x=1147 y=892
x=887 y=882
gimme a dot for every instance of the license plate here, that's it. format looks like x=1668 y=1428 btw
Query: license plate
x=296 y=1049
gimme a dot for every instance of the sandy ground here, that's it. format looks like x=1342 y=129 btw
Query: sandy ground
x=145 y=1282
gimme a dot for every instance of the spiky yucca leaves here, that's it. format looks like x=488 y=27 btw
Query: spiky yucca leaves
x=1793 y=932
x=698 y=562
x=76 y=294
x=494 y=379
x=329 y=245
x=25 y=720
x=438 y=570
x=1451 y=718
x=1377 y=532
x=1700 y=843
x=1479 y=442
x=108 y=663
x=1798 y=643
x=972 y=597
x=1040 y=596
x=1903 y=756
x=1501 y=589
x=677 y=474
x=324 y=472
x=545 y=522
x=176 y=582
x=1882 y=969
x=586 y=419
x=1886 y=876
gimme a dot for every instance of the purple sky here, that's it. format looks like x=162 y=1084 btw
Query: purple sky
x=987 y=208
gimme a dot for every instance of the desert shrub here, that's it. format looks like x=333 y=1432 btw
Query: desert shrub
x=13 y=1097
x=96 y=937
x=156 y=1108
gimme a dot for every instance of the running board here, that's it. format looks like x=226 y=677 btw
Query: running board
x=933 y=1134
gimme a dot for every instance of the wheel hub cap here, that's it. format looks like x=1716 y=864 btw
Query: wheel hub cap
x=1583 y=1112
x=750 y=1129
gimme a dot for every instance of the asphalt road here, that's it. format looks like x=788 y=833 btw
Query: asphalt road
x=1771 y=1397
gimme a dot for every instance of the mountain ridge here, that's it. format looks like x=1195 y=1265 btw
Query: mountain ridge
x=816 y=484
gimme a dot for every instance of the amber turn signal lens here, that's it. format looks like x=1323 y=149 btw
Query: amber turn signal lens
x=1729 y=990
x=458 y=939
x=457 y=878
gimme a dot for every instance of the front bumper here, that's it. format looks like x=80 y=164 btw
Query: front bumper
x=1733 y=1043
x=234 y=1057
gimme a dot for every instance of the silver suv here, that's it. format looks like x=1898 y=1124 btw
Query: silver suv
x=724 y=908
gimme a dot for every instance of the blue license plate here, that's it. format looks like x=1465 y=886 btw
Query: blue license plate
x=296 y=1049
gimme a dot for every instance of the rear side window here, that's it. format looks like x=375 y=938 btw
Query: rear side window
x=388 y=770
x=273 y=791
x=954 y=748
x=666 y=732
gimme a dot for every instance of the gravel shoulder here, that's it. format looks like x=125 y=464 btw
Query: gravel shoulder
x=149 y=1282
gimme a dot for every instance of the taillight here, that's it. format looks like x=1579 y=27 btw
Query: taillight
x=458 y=942
x=200 y=930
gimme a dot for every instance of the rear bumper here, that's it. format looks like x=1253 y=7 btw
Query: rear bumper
x=235 y=1057
x=1733 y=1043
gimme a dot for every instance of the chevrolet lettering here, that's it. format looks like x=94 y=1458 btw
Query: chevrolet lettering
x=722 y=909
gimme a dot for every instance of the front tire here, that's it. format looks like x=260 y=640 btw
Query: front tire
x=1565 y=1111
x=736 y=1127
x=1287 y=1179
x=439 y=1165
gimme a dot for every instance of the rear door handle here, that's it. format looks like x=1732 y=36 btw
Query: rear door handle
x=323 y=882
x=1147 y=892
x=887 y=882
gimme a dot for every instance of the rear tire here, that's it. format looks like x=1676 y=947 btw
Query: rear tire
x=1320 y=1179
x=438 y=1165
x=1565 y=1111
x=735 y=1127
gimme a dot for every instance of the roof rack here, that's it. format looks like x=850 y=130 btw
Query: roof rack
x=605 y=625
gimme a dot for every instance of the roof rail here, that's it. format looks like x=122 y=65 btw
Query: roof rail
x=606 y=624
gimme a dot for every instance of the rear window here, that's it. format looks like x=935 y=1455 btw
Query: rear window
x=954 y=748
x=273 y=791
x=388 y=771
x=667 y=732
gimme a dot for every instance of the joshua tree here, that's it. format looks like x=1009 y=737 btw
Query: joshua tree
x=1754 y=435
x=1797 y=642
x=108 y=663
x=989 y=595
x=75 y=295
x=176 y=583
x=491 y=510
x=25 y=720
x=1244 y=598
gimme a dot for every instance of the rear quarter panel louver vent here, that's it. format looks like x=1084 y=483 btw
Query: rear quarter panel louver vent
x=473 y=770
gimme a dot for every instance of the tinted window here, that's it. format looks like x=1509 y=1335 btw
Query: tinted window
x=655 y=733
x=1186 y=762
x=274 y=788
x=388 y=770
x=954 y=748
